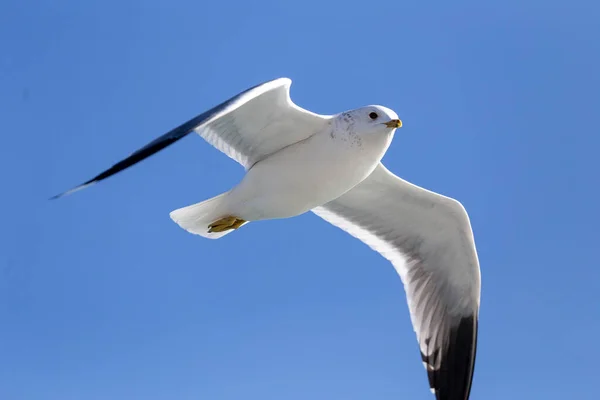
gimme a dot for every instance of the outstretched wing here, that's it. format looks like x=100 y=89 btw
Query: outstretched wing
x=428 y=239
x=247 y=127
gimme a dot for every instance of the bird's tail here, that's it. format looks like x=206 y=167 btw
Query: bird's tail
x=197 y=217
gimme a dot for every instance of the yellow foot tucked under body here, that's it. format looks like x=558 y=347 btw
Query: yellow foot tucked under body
x=225 y=224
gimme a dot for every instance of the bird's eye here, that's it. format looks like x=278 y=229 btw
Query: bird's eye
x=373 y=115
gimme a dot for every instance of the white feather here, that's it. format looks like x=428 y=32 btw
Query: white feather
x=260 y=122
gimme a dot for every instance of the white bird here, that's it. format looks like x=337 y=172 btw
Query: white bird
x=297 y=161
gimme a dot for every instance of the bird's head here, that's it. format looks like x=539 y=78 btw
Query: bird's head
x=369 y=119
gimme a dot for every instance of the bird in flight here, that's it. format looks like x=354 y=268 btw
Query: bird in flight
x=298 y=161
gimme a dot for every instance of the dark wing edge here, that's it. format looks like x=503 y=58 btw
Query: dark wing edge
x=159 y=143
x=453 y=379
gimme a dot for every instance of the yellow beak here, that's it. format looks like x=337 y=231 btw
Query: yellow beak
x=394 y=123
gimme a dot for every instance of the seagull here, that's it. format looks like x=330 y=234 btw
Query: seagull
x=298 y=161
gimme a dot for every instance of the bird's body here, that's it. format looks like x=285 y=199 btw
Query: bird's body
x=284 y=185
x=298 y=161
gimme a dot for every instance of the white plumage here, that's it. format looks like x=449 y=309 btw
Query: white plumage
x=297 y=161
x=260 y=122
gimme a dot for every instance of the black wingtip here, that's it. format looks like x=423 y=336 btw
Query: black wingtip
x=58 y=196
x=151 y=148
x=159 y=143
x=75 y=189
x=453 y=378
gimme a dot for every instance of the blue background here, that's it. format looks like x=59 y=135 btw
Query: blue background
x=102 y=296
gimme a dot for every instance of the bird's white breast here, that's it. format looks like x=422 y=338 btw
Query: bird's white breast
x=307 y=174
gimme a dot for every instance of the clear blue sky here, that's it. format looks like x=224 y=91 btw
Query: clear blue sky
x=102 y=296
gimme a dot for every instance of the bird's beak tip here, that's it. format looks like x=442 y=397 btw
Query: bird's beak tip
x=395 y=123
